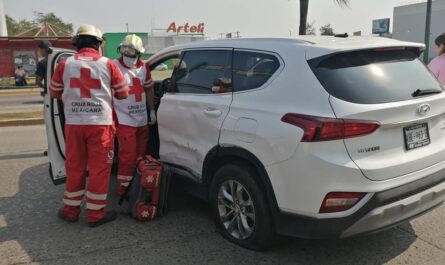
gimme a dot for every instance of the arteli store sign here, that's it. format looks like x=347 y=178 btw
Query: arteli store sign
x=186 y=28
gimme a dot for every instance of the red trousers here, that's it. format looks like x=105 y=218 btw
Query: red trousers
x=132 y=143
x=92 y=147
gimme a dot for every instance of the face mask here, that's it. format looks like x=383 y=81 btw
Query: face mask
x=130 y=62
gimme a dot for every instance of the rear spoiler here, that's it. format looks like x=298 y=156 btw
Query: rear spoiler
x=415 y=50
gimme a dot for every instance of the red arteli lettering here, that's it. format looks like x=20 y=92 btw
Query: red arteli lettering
x=186 y=28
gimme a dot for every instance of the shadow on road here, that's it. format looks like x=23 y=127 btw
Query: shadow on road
x=34 y=102
x=186 y=235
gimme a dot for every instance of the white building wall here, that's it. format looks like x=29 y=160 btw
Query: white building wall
x=155 y=44
x=409 y=23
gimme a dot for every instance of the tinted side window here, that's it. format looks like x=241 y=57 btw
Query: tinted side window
x=252 y=69
x=163 y=69
x=199 y=71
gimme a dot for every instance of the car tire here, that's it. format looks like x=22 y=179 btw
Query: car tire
x=244 y=219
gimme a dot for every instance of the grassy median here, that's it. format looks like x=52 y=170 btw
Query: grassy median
x=21 y=115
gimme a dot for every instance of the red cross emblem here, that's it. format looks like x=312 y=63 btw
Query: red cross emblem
x=85 y=83
x=136 y=89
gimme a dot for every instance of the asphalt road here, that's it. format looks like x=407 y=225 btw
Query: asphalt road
x=21 y=102
x=30 y=232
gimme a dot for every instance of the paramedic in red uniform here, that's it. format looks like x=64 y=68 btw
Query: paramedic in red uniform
x=132 y=129
x=87 y=83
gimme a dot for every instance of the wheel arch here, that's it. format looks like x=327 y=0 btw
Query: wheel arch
x=220 y=155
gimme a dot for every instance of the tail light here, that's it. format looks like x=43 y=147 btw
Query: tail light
x=318 y=129
x=340 y=201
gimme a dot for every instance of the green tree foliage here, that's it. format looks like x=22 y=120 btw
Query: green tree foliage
x=327 y=30
x=304 y=6
x=15 y=27
x=59 y=27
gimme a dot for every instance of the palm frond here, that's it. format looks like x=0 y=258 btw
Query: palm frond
x=342 y=2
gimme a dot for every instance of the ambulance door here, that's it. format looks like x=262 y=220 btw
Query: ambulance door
x=55 y=121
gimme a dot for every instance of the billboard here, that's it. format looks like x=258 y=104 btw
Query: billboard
x=27 y=59
x=380 y=26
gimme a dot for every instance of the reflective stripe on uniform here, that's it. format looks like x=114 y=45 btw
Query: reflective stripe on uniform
x=121 y=89
x=127 y=178
x=74 y=194
x=55 y=88
x=56 y=84
x=95 y=196
x=148 y=84
x=121 y=84
x=93 y=206
x=125 y=184
x=72 y=202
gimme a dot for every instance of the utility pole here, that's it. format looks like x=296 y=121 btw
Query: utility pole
x=127 y=28
x=3 y=29
x=427 y=31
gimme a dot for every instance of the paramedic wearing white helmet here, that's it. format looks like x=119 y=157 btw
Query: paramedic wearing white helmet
x=132 y=117
x=88 y=83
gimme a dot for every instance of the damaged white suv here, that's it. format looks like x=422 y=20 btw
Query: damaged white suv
x=315 y=138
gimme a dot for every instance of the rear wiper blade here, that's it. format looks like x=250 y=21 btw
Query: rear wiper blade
x=422 y=92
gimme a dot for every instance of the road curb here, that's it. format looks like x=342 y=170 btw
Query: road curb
x=22 y=122
x=20 y=91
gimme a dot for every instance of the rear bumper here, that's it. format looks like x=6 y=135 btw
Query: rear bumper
x=384 y=210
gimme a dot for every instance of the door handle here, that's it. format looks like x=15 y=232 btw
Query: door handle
x=212 y=112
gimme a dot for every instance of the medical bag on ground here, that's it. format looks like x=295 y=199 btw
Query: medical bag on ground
x=146 y=195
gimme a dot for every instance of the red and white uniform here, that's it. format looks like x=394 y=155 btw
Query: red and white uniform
x=85 y=82
x=132 y=129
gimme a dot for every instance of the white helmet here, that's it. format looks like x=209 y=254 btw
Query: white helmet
x=89 y=30
x=131 y=41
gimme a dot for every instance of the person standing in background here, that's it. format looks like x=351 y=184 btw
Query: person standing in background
x=437 y=65
x=43 y=51
x=20 y=76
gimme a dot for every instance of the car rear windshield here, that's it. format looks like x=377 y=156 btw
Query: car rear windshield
x=374 y=76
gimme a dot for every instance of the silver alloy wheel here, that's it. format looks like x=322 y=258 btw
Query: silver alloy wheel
x=236 y=210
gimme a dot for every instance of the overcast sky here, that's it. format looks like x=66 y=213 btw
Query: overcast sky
x=250 y=17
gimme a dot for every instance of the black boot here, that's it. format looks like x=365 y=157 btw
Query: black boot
x=65 y=217
x=110 y=216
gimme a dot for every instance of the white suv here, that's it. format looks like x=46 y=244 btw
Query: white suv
x=315 y=138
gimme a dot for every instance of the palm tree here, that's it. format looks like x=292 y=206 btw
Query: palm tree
x=304 y=6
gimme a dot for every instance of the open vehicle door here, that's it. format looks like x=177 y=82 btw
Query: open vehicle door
x=55 y=121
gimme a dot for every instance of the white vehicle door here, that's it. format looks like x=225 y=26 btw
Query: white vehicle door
x=160 y=75
x=192 y=111
x=55 y=121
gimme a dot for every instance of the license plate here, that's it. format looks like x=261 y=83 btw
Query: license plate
x=416 y=136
